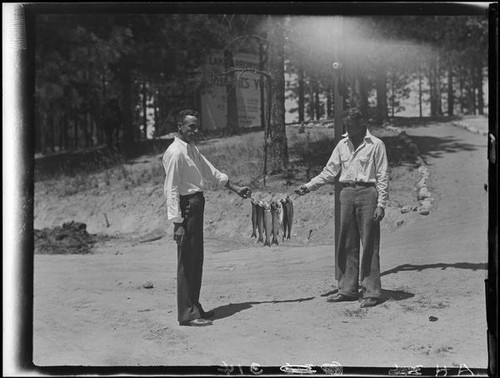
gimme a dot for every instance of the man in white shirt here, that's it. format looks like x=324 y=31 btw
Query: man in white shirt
x=186 y=172
x=361 y=159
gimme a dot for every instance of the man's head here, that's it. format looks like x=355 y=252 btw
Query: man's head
x=188 y=124
x=354 y=123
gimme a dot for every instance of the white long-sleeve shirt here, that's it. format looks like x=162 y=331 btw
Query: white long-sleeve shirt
x=186 y=171
x=367 y=163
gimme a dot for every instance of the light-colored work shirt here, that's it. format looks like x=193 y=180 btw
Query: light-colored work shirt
x=367 y=163
x=186 y=172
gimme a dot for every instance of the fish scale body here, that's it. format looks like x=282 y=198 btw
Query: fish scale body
x=268 y=225
x=254 y=220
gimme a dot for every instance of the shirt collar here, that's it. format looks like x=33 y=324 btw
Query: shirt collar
x=182 y=143
x=179 y=140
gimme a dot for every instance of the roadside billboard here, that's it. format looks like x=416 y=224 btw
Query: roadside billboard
x=214 y=92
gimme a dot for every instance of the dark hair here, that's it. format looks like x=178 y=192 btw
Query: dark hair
x=179 y=118
x=352 y=113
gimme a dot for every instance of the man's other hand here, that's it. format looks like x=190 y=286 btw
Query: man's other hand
x=179 y=233
x=301 y=190
x=379 y=214
x=244 y=192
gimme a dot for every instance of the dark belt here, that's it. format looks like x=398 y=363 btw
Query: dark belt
x=187 y=196
x=352 y=184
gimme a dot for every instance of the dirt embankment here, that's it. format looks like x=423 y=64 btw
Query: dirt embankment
x=139 y=212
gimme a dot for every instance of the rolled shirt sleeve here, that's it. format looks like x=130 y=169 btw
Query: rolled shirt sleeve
x=382 y=174
x=329 y=172
x=171 y=164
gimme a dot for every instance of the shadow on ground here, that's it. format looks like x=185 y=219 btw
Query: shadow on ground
x=437 y=147
x=225 y=311
x=421 y=122
x=442 y=266
x=394 y=295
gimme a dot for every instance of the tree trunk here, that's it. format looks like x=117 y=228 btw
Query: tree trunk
x=329 y=101
x=420 y=92
x=462 y=94
x=262 y=82
x=100 y=128
x=276 y=141
x=473 y=99
x=472 y=92
x=144 y=111
x=38 y=130
x=363 y=95
x=75 y=131
x=393 y=95
x=310 y=106
x=317 y=108
x=437 y=76
x=301 y=92
x=232 y=101
x=381 y=83
x=86 y=126
x=155 y=115
x=64 y=131
x=51 y=128
x=480 y=95
x=92 y=130
x=61 y=135
x=451 y=99
x=432 y=89
x=125 y=76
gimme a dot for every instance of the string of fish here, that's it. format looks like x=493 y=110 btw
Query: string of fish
x=270 y=218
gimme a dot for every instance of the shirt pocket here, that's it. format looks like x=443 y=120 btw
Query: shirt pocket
x=344 y=159
x=364 y=162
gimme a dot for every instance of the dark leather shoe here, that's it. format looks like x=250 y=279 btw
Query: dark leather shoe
x=369 y=302
x=208 y=314
x=340 y=298
x=197 y=323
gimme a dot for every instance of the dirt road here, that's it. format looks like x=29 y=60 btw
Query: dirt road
x=270 y=302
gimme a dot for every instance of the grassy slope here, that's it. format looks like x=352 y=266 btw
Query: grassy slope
x=128 y=198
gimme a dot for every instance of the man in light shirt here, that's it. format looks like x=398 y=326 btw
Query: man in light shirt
x=186 y=172
x=361 y=159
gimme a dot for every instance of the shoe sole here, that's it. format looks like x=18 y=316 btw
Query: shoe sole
x=195 y=325
x=342 y=300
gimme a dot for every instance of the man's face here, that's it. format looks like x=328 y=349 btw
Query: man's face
x=189 y=128
x=354 y=128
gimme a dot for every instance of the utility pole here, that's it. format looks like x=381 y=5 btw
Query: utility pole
x=338 y=128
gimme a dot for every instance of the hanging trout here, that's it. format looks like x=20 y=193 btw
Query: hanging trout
x=268 y=223
x=289 y=214
x=254 y=218
x=276 y=215
x=284 y=223
x=259 y=207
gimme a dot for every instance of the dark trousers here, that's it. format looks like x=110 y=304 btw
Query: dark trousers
x=358 y=206
x=190 y=258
